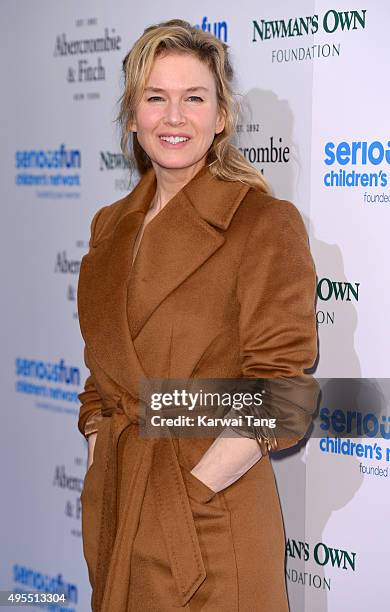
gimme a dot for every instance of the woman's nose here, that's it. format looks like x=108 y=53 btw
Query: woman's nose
x=174 y=114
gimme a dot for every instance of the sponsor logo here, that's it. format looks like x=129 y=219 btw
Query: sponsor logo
x=352 y=154
x=329 y=290
x=358 y=164
x=338 y=290
x=87 y=52
x=218 y=28
x=116 y=161
x=321 y=555
x=356 y=424
x=66 y=481
x=113 y=161
x=53 y=169
x=72 y=486
x=270 y=153
x=66 y=266
x=38 y=581
x=50 y=158
x=331 y=22
x=49 y=383
x=343 y=428
x=273 y=150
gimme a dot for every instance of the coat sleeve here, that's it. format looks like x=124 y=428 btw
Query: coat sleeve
x=91 y=403
x=276 y=290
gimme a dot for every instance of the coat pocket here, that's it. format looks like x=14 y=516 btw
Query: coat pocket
x=203 y=500
x=197 y=489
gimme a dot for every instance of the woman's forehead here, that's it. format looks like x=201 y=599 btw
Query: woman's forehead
x=183 y=71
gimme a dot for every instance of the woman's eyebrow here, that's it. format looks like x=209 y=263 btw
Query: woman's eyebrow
x=160 y=89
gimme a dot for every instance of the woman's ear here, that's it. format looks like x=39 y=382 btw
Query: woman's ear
x=132 y=126
x=220 y=123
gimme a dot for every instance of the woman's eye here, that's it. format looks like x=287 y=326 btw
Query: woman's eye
x=158 y=98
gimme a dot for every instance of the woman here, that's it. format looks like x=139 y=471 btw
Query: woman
x=221 y=284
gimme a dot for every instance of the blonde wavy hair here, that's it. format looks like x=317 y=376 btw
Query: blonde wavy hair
x=224 y=159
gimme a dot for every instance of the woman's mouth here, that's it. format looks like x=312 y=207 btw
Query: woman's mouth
x=175 y=142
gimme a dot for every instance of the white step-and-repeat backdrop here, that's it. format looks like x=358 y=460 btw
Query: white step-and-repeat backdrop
x=313 y=83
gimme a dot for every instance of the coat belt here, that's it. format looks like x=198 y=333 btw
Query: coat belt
x=155 y=457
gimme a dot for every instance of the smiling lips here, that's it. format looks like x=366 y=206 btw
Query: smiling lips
x=174 y=140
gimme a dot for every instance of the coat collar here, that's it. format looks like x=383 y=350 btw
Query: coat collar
x=116 y=299
x=218 y=209
x=214 y=199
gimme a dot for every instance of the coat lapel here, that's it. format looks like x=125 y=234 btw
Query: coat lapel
x=178 y=241
x=102 y=290
x=175 y=243
x=115 y=300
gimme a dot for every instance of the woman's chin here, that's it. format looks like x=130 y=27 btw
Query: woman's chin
x=175 y=164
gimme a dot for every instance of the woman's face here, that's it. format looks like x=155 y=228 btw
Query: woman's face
x=179 y=103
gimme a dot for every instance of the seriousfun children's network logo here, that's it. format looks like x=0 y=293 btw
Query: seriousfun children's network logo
x=218 y=28
x=53 y=169
x=331 y=22
x=28 y=579
x=50 y=381
x=359 y=434
x=360 y=165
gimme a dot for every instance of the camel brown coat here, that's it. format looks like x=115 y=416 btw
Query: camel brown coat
x=223 y=286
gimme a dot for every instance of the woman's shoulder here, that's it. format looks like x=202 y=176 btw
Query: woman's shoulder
x=274 y=225
x=265 y=209
x=105 y=218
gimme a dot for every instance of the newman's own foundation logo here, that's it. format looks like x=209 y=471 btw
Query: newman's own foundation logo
x=331 y=22
x=314 y=559
x=332 y=291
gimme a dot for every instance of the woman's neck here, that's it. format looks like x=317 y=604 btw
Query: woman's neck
x=170 y=182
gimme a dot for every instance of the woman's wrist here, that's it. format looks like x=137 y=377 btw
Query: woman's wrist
x=91 y=446
x=203 y=478
x=226 y=460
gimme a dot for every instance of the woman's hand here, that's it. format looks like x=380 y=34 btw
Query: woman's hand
x=226 y=460
x=91 y=447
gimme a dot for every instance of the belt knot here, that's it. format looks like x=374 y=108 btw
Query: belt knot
x=126 y=404
x=129 y=405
